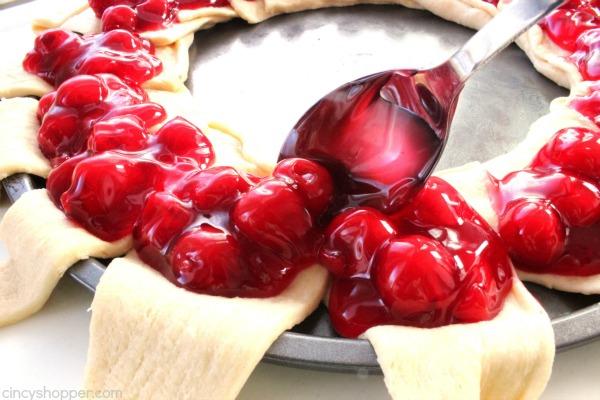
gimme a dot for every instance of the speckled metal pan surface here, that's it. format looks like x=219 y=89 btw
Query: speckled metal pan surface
x=267 y=75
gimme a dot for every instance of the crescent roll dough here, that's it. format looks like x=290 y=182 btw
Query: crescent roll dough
x=152 y=340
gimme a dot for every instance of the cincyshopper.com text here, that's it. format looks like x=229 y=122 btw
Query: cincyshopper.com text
x=58 y=394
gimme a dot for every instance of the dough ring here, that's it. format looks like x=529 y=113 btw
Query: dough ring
x=95 y=374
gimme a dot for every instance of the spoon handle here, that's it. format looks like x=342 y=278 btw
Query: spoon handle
x=514 y=19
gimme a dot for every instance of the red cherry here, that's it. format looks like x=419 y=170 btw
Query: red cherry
x=533 y=231
x=99 y=6
x=154 y=10
x=581 y=205
x=208 y=259
x=60 y=179
x=46 y=101
x=83 y=91
x=565 y=26
x=572 y=149
x=575 y=198
x=52 y=39
x=60 y=136
x=107 y=194
x=418 y=279
x=273 y=215
x=586 y=55
x=59 y=55
x=181 y=140
x=352 y=239
x=164 y=217
x=439 y=196
x=126 y=133
x=68 y=116
x=311 y=179
x=119 y=17
x=216 y=188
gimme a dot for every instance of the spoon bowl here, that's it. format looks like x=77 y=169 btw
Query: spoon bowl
x=381 y=135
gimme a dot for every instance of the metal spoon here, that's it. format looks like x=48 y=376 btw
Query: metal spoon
x=382 y=135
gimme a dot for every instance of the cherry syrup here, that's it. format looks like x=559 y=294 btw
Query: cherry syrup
x=379 y=153
x=352 y=196
x=222 y=232
x=575 y=27
x=71 y=114
x=588 y=105
x=59 y=55
x=549 y=214
x=434 y=263
x=105 y=188
x=145 y=15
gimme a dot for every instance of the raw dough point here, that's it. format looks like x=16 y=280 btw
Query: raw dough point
x=498 y=359
x=152 y=340
x=42 y=244
x=19 y=149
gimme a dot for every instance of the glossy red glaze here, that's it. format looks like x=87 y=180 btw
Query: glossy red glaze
x=587 y=53
x=377 y=151
x=225 y=233
x=571 y=149
x=417 y=267
x=575 y=27
x=589 y=104
x=59 y=55
x=195 y=4
x=566 y=24
x=533 y=231
x=352 y=239
x=145 y=15
x=492 y=2
x=215 y=230
x=105 y=191
x=549 y=214
x=100 y=105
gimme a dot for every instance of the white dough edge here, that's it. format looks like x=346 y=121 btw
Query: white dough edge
x=508 y=357
x=108 y=345
x=19 y=149
x=473 y=180
x=40 y=240
x=42 y=244
x=153 y=340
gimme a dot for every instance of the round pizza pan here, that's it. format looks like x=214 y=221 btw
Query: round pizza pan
x=261 y=78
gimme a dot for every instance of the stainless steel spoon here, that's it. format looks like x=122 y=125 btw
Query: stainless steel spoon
x=382 y=135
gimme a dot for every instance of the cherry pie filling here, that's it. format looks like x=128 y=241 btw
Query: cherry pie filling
x=212 y=229
x=145 y=15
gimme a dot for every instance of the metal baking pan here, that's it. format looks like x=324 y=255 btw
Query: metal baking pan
x=4 y=4
x=263 y=77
